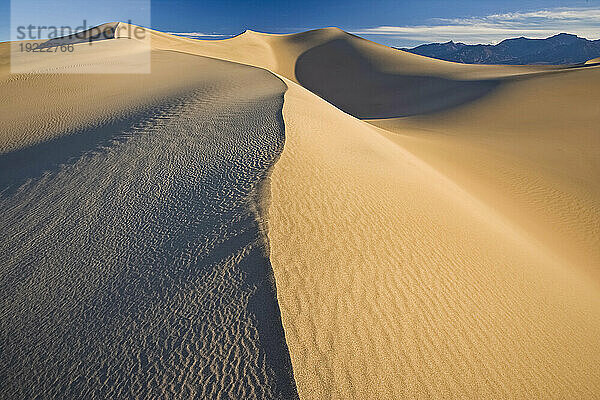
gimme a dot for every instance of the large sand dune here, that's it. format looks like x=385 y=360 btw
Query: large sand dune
x=530 y=150
x=134 y=261
x=446 y=249
x=360 y=77
x=395 y=282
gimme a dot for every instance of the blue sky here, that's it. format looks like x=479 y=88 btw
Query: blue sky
x=397 y=23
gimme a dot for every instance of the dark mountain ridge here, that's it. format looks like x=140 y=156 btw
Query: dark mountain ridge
x=563 y=48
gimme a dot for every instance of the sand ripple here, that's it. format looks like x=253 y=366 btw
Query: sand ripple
x=140 y=269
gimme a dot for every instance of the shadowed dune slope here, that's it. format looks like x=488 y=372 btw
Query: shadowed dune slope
x=133 y=255
x=340 y=73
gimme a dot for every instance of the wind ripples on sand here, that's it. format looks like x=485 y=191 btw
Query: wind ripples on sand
x=141 y=269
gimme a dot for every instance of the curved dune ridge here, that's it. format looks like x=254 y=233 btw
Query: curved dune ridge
x=106 y=31
x=394 y=282
x=593 y=61
x=360 y=77
x=444 y=246
x=134 y=260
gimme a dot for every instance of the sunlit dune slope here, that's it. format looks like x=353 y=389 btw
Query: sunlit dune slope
x=593 y=61
x=38 y=107
x=531 y=150
x=394 y=282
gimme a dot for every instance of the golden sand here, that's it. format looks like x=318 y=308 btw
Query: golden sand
x=444 y=246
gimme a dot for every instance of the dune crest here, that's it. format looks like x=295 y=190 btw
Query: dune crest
x=101 y=32
x=593 y=61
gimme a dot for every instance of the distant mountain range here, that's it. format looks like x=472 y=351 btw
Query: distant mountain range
x=559 y=49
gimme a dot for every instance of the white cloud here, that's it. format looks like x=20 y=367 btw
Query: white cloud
x=584 y=22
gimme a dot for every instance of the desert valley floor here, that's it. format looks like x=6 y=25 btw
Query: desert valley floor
x=308 y=215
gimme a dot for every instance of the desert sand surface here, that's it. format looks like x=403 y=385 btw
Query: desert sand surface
x=418 y=288
x=369 y=224
x=134 y=261
x=530 y=150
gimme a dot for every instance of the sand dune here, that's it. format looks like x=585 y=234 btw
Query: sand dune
x=593 y=61
x=530 y=150
x=394 y=282
x=106 y=31
x=360 y=77
x=446 y=249
x=483 y=274
x=134 y=261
